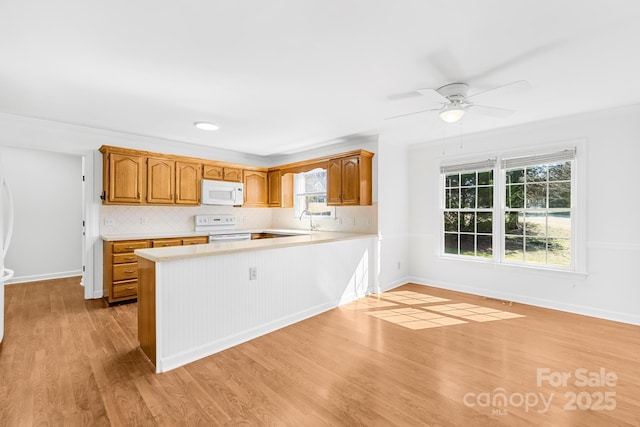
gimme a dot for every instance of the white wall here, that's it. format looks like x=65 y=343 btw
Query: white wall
x=47 y=193
x=393 y=212
x=610 y=288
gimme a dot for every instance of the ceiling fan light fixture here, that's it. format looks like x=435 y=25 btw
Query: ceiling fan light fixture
x=452 y=113
x=206 y=126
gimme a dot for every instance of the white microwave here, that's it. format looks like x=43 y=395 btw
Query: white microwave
x=222 y=193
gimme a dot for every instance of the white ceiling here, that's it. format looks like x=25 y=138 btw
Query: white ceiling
x=280 y=76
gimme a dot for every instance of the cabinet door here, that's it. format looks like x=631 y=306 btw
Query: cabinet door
x=275 y=188
x=232 y=174
x=334 y=182
x=125 y=173
x=350 y=181
x=160 y=181
x=188 y=183
x=287 y=190
x=212 y=172
x=255 y=188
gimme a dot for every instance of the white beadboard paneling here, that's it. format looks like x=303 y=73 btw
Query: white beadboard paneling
x=207 y=304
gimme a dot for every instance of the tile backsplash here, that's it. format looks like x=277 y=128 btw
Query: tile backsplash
x=117 y=219
x=354 y=219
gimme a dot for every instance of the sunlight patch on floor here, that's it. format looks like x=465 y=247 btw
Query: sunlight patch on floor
x=432 y=316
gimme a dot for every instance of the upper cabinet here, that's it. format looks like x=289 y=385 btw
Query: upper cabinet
x=133 y=177
x=161 y=181
x=255 y=189
x=188 y=182
x=349 y=180
x=218 y=172
x=164 y=180
x=123 y=177
x=274 y=179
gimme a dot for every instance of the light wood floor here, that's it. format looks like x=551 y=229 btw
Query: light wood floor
x=67 y=361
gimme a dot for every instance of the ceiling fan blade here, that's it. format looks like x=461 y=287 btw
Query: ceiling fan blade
x=490 y=111
x=403 y=96
x=411 y=114
x=433 y=97
x=509 y=88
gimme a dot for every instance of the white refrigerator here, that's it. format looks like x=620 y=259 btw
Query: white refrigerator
x=6 y=229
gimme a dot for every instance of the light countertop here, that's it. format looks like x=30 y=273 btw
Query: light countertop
x=151 y=235
x=221 y=248
x=148 y=235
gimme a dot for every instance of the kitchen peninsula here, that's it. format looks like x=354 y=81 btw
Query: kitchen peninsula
x=194 y=301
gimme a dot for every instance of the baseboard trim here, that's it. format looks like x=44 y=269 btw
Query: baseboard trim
x=39 y=277
x=632 y=319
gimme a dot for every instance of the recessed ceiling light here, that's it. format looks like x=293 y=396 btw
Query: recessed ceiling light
x=206 y=126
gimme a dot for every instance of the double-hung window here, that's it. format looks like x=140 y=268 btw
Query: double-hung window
x=512 y=210
x=468 y=209
x=538 y=209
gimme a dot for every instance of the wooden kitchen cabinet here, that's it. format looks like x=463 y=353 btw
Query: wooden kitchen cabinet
x=123 y=177
x=349 y=181
x=161 y=181
x=176 y=180
x=162 y=243
x=219 y=172
x=188 y=182
x=172 y=182
x=214 y=172
x=120 y=264
x=280 y=189
x=120 y=270
x=232 y=174
x=200 y=240
x=255 y=189
x=274 y=182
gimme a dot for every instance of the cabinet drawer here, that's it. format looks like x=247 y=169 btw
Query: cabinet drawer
x=125 y=289
x=122 y=258
x=195 y=240
x=166 y=242
x=125 y=271
x=120 y=247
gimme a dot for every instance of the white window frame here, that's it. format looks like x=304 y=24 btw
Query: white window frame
x=578 y=208
x=298 y=210
x=461 y=168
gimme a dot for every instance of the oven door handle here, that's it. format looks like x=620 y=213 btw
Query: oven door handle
x=229 y=238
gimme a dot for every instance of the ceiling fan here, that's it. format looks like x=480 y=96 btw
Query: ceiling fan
x=452 y=101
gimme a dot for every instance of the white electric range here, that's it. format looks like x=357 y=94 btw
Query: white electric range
x=221 y=227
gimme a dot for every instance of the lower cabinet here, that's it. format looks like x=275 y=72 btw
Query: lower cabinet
x=120 y=270
x=120 y=265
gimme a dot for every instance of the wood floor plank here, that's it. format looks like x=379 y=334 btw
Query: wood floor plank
x=67 y=361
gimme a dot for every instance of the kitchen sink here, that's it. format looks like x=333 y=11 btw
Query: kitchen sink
x=269 y=235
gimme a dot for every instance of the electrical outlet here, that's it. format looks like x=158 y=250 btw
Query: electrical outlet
x=144 y=220
x=109 y=221
x=398 y=265
x=253 y=273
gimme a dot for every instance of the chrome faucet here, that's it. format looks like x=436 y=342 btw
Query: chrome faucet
x=310 y=218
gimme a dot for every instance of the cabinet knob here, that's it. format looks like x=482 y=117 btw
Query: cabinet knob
x=129 y=271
